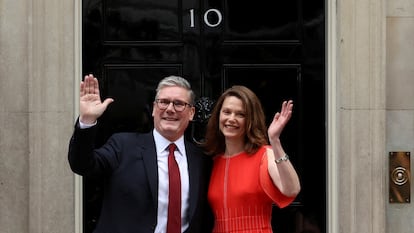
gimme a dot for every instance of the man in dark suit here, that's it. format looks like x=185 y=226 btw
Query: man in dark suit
x=135 y=167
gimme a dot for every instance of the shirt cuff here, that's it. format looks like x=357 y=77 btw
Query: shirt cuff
x=85 y=126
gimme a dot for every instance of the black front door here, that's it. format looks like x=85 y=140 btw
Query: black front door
x=276 y=48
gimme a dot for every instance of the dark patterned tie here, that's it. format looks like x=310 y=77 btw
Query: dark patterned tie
x=174 y=196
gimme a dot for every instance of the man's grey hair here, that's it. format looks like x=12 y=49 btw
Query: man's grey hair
x=176 y=81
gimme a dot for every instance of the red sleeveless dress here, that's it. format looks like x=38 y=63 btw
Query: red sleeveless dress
x=241 y=193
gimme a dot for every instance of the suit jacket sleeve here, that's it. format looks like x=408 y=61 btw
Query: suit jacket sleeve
x=84 y=160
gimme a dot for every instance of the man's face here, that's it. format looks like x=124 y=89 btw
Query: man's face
x=168 y=122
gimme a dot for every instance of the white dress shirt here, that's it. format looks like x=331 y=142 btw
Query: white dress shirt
x=161 y=145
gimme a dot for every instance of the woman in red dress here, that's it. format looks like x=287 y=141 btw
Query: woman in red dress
x=249 y=175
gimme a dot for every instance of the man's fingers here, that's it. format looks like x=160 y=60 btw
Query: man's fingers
x=82 y=88
x=107 y=102
x=88 y=84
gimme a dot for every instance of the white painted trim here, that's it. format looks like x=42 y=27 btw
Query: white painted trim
x=332 y=224
x=76 y=83
x=78 y=204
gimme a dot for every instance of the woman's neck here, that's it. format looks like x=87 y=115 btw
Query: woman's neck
x=233 y=147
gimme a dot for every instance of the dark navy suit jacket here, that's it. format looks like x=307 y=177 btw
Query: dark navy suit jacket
x=128 y=165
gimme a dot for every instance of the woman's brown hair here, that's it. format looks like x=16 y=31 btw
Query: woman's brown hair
x=256 y=131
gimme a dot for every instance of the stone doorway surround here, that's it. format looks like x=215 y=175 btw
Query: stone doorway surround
x=357 y=192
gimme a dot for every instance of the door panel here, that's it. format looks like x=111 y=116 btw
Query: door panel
x=262 y=21
x=276 y=48
x=149 y=20
x=133 y=88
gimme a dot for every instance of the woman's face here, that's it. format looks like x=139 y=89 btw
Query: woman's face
x=232 y=120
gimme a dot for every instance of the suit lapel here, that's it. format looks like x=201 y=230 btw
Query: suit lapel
x=149 y=156
x=193 y=160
